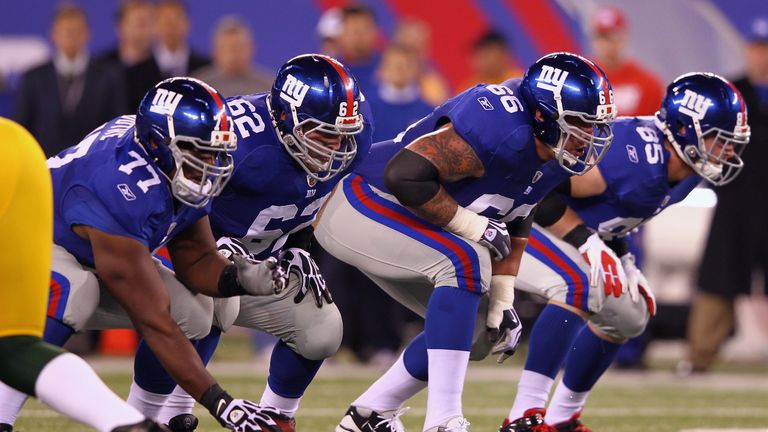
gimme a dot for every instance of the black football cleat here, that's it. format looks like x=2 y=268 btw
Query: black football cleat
x=183 y=423
x=365 y=420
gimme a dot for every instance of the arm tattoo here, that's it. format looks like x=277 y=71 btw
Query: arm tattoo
x=450 y=154
x=439 y=210
x=454 y=160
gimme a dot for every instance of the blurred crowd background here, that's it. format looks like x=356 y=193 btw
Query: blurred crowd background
x=66 y=67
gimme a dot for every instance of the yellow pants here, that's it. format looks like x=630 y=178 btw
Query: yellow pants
x=26 y=232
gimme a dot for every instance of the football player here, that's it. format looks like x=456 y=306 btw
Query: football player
x=131 y=186
x=655 y=161
x=427 y=212
x=26 y=362
x=294 y=145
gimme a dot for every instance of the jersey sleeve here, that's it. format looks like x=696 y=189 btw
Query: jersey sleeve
x=82 y=207
x=486 y=120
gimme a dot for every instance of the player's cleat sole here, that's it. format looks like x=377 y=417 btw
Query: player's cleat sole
x=531 y=421
x=183 y=423
x=365 y=420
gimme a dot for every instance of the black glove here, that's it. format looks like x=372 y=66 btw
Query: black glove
x=506 y=338
x=496 y=239
x=303 y=267
x=239 y=415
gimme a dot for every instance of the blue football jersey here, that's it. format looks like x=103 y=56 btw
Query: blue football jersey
x=269 y=195
x=108 y=182
x=635 y=171
x=493 y=121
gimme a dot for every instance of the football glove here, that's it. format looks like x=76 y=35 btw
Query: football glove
x=229 y=246
x=242 y=415
x=506 y=338
x=605 y=265
x=638 y=284
x=260 y=278
x=299 y=263
x=496 y=239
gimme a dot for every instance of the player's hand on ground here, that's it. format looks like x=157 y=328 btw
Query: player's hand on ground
x=638 y=284
x=603 y=265
x=242 y=415
x=506 y=338
x=260 y=278
x=300 y=266
x=496 y=239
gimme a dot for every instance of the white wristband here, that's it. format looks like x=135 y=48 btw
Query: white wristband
x=467 y=224
x=502 y=289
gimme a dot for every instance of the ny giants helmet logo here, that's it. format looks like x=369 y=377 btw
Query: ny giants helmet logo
x=293 y=91
x=695 y=105
x=551 y=79
x=165 y=102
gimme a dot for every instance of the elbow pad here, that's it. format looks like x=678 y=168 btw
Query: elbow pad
x=550 y=209
x=411 y=178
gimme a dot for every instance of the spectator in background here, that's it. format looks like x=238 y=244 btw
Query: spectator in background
x=328 y=30
x=64 y=99
x=491 y=62
x=358 y=44
x=415 y=35
x=171 y=54
x=134 y=27
x=397 y=99
x=232 y=72
x=637 y=91
x=737 y=246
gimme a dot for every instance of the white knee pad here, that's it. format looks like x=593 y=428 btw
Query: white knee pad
x=621 y=318
x=318 y=330
x=225 y=311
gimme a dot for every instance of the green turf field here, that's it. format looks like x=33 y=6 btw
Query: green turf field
x=656 y=401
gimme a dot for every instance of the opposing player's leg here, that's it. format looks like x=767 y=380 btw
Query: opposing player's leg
x=438 y=275
x=27 y=364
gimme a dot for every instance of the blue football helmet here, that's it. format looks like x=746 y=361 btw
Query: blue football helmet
x=315 y=94
x=184 y=125
x=704 y=117
x=572 y=94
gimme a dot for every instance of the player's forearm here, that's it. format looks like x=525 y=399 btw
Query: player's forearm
x=177 y=355
x=202 y=275
x=439 y=210
x=510 y=265
x=567 y=222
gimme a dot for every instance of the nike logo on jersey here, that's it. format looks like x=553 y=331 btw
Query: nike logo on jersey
x=293 y=90
x=695 y=105
x=165 y=102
